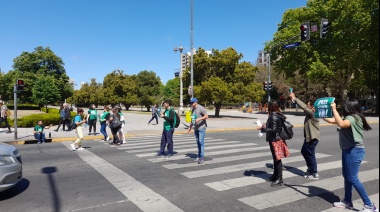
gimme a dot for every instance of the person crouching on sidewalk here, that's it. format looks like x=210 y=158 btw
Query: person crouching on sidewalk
x=39 y=133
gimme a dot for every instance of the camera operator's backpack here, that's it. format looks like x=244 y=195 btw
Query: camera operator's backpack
x=286 y=131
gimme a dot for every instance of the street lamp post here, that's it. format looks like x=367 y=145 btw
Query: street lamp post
x=191 y=47
x=180 y=49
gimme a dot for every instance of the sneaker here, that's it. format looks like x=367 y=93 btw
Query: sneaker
x=108 y=138
x=200 y=161
x=73 y=147
x=367 y=208
x=343 y=204
x=124 y=142
x=169 y=155
x=314 y=176
x=196 y=159
x=81 y=148
x=307 y=173
x=159 y=155
x=39 y=143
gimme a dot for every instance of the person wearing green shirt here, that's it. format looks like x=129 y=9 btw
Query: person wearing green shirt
x=104 y=117
x=351 y=142
x=167 y=134
x=92 y=117
x=39 y=133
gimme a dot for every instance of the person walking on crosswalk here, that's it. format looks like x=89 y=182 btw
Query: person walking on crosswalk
x=167 y=134
x=198 y=121
x=311 y=136
x=278 y=147
x=353 y=151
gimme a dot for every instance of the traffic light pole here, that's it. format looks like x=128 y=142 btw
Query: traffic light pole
x=15 y=110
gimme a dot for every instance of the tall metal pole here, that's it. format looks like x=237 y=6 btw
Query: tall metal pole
x=191 y=48
x=268 y=76
x=15 y=109
x=180 y=49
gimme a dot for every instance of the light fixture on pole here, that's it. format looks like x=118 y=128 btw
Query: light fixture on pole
x=182 y=67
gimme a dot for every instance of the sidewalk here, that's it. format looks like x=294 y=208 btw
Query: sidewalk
x=136 y=125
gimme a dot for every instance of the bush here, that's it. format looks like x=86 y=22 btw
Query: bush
x=24 y=107
x=53 y=117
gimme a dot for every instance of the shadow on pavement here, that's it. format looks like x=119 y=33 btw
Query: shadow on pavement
x=15 y=190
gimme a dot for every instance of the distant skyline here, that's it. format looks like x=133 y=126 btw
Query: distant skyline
x=95 y=37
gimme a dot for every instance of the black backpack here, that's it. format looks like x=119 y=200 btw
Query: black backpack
x=286 y=131
x=177 y=119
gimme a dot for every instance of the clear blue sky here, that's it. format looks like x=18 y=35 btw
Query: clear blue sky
x=95 y=37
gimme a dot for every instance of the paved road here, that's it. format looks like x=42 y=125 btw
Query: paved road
x=137 y=125
x=132 y=178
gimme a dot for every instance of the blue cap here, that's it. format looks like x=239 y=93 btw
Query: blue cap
x=193 y=100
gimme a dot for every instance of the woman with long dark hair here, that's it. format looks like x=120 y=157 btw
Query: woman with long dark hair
x=278 y=147
x=351 y=142
x=115 y=125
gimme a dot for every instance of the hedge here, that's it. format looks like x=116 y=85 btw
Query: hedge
x=52 y=117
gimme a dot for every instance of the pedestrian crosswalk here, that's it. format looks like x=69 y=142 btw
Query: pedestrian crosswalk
x=226 y=157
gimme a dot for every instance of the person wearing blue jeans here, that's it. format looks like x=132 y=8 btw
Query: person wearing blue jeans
x=154 y=114
x=39 y=133
x=198 y=122
x=311 y=135
x=104 y=117
x=353 y=151
x=167 y=134
x=200 y=138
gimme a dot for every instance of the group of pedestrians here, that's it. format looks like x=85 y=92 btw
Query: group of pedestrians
x=65 y=117
x=114 y=119
x=198 y=123
x=350 y=140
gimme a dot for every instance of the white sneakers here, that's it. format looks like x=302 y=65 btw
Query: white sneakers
x=73 y=147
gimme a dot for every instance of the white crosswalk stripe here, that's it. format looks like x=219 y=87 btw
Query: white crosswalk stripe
x=211 y=153
x=195 y=149
x=299 y=192
x=233 y=156
x=246 y=181
x=356 y=203
x=221 y=160
x=158 y=141
x=240 y=167
x=155 y=147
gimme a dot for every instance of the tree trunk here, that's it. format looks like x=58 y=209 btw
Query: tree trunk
x=217 y=109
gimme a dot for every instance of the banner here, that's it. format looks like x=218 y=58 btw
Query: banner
x=323 y=107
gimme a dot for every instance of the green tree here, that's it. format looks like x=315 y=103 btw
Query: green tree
x=336 y=61
x=220 y=78
x=45 y=91
x=171 y=90
x=148 y=88
x=29 y=66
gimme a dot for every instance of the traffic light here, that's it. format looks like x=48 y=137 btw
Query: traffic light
x=265 y=86
x=20 y=85
x=184 y=61
x=324 y=28
x=270 y=86
x=305 y=31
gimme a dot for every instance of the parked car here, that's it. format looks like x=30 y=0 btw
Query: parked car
x=10 y=166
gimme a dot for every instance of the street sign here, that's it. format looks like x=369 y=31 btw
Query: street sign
x=323 y=108
x=292 y=45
